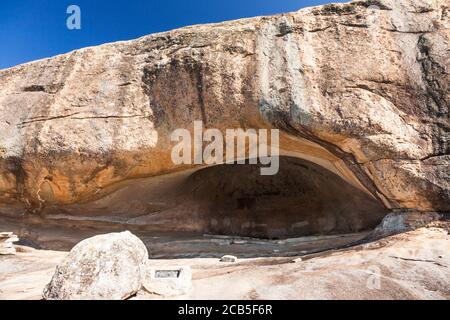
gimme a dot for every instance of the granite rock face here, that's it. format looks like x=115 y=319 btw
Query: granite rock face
x=412 y=265
x=361 y=89
x=105 y=267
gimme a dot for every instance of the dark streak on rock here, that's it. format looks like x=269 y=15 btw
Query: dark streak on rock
x=15 y=166
x=42 y=119
x=437 y=103
x=407 y=31
x=319 y=29
x=420 y=260
x=198 y=73
x=50 y=89
x=354 y=25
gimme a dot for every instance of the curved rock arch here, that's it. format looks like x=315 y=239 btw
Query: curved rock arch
x=369 y=102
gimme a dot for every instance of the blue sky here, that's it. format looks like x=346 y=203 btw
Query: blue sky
x=35 y=29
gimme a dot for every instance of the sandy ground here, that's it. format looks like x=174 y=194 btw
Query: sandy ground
x=413 y=265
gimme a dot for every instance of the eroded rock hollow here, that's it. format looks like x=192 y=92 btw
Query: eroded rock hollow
x=302 y=199
x=359 y=91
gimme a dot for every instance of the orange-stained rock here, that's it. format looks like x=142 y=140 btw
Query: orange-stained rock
x=362 y=89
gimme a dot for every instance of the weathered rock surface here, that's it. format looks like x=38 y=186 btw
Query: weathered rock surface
x=7 y=240
x=167 y=281
x=108 y=267
x=413 y=265
x=360 y=89
x=398 y=222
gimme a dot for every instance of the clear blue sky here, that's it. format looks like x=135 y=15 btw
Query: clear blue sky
x=35 y=29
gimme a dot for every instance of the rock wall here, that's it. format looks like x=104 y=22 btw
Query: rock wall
x=361 y=89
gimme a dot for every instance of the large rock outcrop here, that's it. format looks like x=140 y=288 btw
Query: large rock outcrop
x=360 y=89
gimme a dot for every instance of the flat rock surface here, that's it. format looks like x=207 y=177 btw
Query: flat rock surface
x=413 y=265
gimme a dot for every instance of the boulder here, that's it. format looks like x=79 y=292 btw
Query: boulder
x=7 y=240
x=228 y=258
x=399 y=222
x=105 y=267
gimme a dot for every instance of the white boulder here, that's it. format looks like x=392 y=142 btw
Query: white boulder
x=228 y=258
x=105 y=267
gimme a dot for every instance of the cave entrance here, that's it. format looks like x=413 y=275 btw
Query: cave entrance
x=303 y=199
x=217 y=210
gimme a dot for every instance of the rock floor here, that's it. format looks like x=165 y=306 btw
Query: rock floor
x=413 y=265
